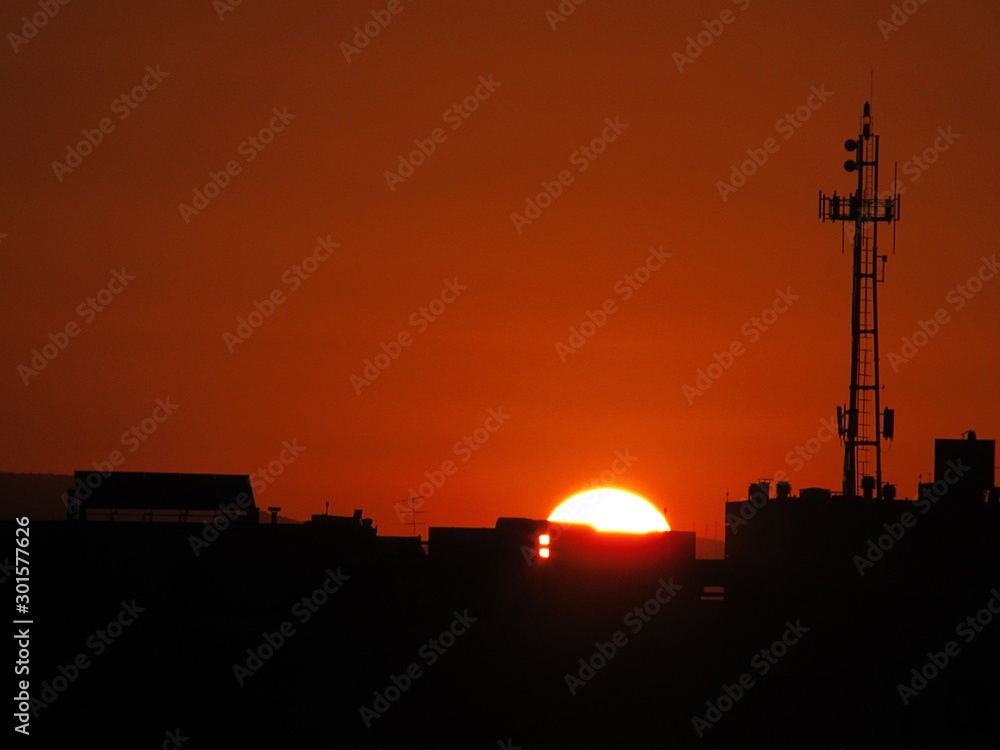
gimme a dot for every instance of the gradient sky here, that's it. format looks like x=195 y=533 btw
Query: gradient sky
x=494 y=346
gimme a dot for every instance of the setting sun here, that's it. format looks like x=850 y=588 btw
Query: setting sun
x=610 y=509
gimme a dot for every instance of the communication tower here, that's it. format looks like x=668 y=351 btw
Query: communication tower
x=862 y=424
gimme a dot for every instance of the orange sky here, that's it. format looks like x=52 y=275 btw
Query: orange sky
x=508 y=292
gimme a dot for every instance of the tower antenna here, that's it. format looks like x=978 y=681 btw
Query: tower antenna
x=861 y=423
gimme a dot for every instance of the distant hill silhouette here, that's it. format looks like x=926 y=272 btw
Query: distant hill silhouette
x=709 y=549
x=38 y=496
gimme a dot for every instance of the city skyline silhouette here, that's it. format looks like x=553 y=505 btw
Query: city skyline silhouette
x=402 y=376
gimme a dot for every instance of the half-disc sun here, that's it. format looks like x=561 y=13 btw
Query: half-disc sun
x=610 y=509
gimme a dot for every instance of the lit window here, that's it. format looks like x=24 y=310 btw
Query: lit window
x=543 y=552
x=544 y=539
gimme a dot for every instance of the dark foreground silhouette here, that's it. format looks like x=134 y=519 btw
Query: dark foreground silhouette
x=833 y=623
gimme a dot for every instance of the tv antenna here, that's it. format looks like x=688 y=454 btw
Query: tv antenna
x=413 y=511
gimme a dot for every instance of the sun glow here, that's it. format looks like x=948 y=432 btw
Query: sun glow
x=610 y=509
